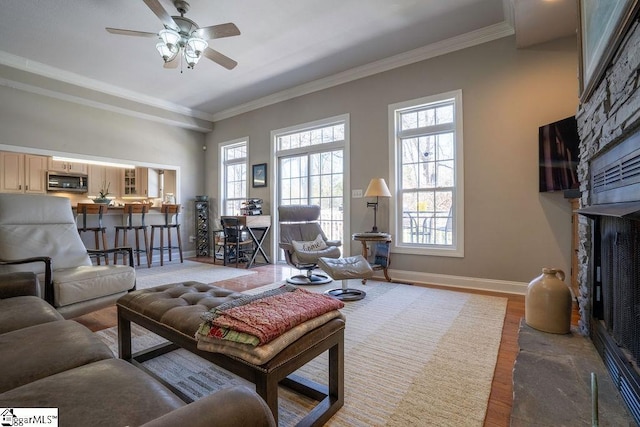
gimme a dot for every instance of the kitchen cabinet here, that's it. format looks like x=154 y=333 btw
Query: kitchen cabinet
x=67 y=167
x=23 y=173
x=142 y=182
x=100 y=176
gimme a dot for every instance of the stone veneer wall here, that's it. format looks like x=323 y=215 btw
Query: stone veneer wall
x=605 y=119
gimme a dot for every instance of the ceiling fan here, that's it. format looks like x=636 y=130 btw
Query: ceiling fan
x=183 y=38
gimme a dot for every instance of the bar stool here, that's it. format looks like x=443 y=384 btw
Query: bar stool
x=169 y=211
x=85 y=209
x=131 y=209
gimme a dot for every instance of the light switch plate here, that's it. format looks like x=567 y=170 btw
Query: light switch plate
x=356 y=194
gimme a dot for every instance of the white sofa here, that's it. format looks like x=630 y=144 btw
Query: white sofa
x=42 y=230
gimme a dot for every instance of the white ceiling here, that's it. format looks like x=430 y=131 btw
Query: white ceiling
x=283 y=44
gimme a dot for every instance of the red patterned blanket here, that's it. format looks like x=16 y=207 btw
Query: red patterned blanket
x=268 y=317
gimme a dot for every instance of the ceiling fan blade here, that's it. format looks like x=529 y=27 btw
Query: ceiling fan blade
x=130 y=32
x=173 y=63
x=161 y=13
x=218 y=31
x=219 y=58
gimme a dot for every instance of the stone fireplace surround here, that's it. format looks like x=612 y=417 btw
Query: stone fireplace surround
x=607 y=120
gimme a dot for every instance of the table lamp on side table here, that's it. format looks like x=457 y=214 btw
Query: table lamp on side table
x=377 y=188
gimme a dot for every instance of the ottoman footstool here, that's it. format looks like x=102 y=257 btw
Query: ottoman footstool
x=355 y=267
x=174 y=312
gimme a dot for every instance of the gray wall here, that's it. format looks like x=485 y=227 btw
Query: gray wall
x=511 y=230
x=35 y=121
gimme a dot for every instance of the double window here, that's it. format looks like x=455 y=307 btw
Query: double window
x=233 y=177
x=426 y=169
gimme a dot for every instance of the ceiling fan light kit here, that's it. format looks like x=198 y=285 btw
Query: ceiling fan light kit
x=182 y=38
x=173 y=43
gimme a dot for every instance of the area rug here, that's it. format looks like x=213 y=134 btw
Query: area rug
x=413 y=356
x=188 y=270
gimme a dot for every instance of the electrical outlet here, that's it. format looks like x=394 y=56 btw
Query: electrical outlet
x=192 y=239
x=356 y=194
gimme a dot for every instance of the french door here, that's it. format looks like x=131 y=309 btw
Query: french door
x=316 y=179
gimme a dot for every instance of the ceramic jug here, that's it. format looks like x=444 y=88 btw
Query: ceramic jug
x=548 y=302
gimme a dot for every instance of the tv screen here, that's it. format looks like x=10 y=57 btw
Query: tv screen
x=558 y=146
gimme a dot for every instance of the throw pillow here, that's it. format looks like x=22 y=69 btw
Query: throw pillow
x=309 y=246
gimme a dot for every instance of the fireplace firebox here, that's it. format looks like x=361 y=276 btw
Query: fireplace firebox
x=614 y=270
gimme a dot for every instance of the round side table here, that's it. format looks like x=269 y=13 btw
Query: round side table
x=383 y=260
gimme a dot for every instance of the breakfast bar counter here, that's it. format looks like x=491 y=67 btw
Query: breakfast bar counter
x=115 y=216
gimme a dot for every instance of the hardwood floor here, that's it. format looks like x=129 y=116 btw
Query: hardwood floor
x=500 y=400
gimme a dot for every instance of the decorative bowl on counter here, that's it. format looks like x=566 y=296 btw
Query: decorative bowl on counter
x=104 y=201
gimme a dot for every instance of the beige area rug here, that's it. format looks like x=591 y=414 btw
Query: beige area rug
x=181 y=272
x=413 y=357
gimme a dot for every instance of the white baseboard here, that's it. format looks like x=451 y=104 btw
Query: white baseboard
x=504 y=286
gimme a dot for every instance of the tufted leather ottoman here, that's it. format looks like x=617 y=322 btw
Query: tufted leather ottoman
x=173 y=311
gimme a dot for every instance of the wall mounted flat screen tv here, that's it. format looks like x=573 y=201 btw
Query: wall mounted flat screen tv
x=558 y=147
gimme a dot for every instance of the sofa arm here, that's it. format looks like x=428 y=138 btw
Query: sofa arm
x=48 y=285
x=237 y=406
x=19 y=284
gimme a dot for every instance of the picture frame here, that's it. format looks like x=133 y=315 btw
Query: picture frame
x=601 y=27
x=259 y=175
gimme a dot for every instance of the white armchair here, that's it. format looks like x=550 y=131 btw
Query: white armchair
x=39 y=233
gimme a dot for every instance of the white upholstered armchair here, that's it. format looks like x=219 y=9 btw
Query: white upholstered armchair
x=39 y=233
x=304 y=242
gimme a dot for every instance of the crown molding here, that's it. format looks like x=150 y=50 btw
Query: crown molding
x=473 y=38
x=443 y=47
x=53 y=73
x=206 y=126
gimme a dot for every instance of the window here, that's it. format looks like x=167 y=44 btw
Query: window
x=233 y=179
x=427 y=175
x=311 y=170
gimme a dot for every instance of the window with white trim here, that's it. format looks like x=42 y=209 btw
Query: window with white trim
x=427 y=175
x=233 y=179
x=311 y=169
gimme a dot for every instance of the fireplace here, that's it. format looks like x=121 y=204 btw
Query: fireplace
x=613 y=280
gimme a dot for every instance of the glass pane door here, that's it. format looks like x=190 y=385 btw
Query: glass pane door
x=316 y=179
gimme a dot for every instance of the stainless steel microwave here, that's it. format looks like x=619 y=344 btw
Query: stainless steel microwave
x=67 y=182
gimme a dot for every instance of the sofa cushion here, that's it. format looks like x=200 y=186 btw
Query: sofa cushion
x=106 y=393
x=70 y=284
x=42 y=350
x=19 y=284
x=22 y=312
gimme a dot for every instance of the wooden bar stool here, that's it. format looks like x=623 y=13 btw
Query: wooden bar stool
x=170 y=213
x=139 y=210
x=85 y=209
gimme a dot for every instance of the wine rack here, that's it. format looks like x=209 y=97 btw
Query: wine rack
x=203 y=243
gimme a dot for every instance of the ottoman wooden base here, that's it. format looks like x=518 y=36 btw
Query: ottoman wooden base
x=173 y=312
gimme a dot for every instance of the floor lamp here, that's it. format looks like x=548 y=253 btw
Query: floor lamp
x=377 y=188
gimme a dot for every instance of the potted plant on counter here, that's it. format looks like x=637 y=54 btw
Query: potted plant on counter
x=102 y=194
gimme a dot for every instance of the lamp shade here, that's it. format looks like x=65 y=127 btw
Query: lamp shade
x=377 y=188
x=170 y=38
x=165 y=52
x=197 y=45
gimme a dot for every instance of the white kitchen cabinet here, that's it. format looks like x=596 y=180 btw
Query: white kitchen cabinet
x=67 y=167
x=23 y=173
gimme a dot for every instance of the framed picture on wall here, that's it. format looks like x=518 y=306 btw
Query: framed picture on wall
x=259 y=175
x=602 y=25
